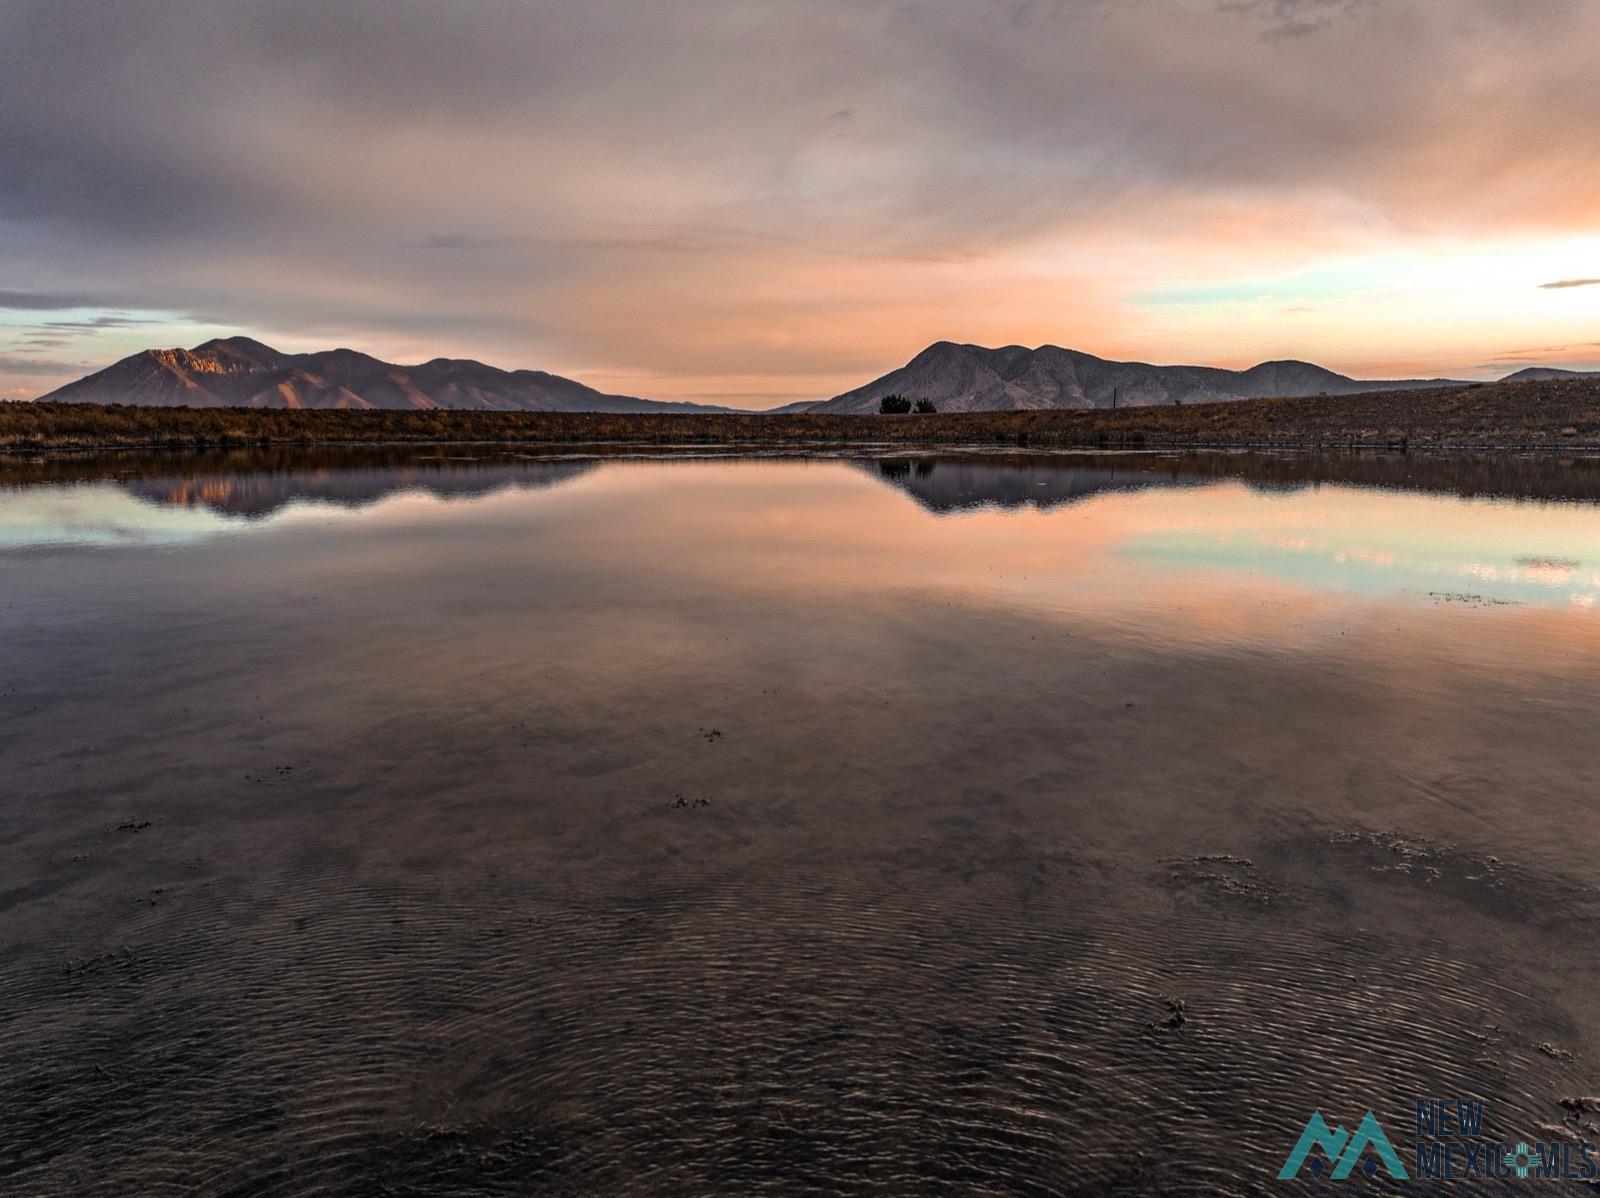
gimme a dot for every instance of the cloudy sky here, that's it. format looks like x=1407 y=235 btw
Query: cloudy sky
x=754 y=201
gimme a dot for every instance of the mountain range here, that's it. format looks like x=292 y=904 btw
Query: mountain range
x=1547 y=374
x=236 y=372
x=240 y=372
x=973 y=378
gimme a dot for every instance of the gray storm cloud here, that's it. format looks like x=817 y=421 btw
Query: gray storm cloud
x=736 y=188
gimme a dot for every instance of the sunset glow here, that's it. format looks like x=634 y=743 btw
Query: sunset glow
x=650 y=200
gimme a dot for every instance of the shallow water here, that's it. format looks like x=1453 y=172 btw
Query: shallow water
x=409 y=821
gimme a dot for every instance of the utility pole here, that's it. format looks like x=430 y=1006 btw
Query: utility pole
x=1113 y=399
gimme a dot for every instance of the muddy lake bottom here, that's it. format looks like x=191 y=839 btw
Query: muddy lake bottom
x=458 y=821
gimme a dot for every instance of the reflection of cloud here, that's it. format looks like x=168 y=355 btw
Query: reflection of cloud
x=1361 y=553
x=93 y=515
x=1423 y=540
x=1553 y=563
x=1551 y=574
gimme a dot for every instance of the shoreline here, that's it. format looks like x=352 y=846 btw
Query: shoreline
x=1560 y=415
x=801 y=447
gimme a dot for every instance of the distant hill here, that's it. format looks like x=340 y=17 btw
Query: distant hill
x=973 y=378
x=237 y=372
x=1546 y=374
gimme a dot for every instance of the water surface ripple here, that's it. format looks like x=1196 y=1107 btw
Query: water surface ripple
x=962 y=824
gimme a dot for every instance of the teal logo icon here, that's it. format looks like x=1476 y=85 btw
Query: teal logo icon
x=1342 y=1152
x=1523 y=1159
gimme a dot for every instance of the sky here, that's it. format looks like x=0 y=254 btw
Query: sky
x=752 y=201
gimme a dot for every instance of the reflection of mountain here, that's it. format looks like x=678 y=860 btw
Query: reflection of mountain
x=947 y=484
x=258 y=482
x=261 y=494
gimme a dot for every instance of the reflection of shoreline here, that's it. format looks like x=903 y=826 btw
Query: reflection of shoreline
x=257 y=482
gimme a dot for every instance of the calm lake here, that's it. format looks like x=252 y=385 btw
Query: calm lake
x=455 y=821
